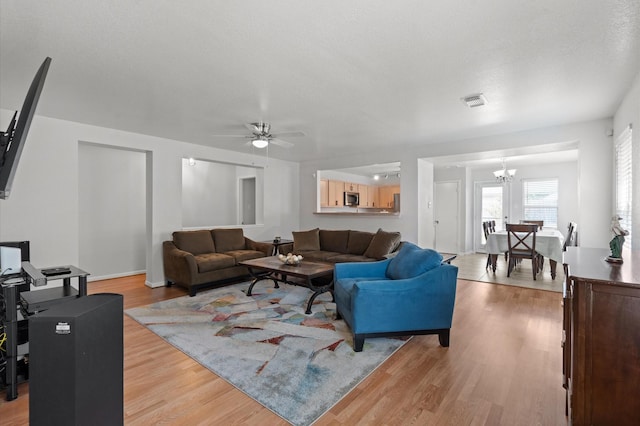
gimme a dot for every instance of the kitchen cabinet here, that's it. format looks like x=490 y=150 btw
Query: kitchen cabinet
x=351 y=187
x=374 y=199
x=324 y=193
x=368 y=196
x=336 y=193
x=601 y=337
x=386 y=195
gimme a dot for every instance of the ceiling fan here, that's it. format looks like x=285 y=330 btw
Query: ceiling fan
x=261 y=136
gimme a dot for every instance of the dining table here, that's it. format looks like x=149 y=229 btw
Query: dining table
x=549 y=243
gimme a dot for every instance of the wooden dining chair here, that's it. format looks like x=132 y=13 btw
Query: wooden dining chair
x=571 y=233
x=540 y=223
x=522 y=245
x=486 y=228
x=489 y=227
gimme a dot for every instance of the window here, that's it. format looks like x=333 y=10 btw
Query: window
x=541 y=201
x=623 y=181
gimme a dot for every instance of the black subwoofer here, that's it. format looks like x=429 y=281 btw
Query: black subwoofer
x=76 y=362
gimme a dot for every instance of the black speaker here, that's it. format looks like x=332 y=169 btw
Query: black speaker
x=76 y=362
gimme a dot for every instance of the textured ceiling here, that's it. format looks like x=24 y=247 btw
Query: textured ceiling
x=351 y=75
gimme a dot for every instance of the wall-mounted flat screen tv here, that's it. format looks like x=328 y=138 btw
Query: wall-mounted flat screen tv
x=12 y=141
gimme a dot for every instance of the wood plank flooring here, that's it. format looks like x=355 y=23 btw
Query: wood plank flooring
x=503 y=368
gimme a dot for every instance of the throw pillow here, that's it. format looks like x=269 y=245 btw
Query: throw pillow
x=195 y=242
x=412 y=261
x=382 y=244
x=306 y=240
x=228 y=239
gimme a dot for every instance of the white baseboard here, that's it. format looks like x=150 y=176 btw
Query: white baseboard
x=91 y=278
x=154 y=285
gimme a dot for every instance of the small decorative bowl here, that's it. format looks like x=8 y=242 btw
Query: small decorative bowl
x=290 y=259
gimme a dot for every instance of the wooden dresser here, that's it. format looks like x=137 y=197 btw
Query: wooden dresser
x=601 y=337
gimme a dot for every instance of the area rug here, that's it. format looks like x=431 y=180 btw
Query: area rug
x=296 y=365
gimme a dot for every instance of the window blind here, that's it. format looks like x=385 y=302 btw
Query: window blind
x=541 y=200
x=624 y=182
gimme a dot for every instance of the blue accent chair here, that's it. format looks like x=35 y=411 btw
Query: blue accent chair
x=411 y=293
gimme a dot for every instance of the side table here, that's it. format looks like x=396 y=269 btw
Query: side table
x=276 y=245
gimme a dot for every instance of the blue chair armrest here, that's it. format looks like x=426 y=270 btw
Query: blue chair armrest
x=361 y=269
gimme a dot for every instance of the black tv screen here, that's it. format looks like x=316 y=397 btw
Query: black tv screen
x=12 y=141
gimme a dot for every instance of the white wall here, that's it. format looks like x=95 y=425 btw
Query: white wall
x=594 y=176
x=112 y=216
x=44 y=204
x=629 y=113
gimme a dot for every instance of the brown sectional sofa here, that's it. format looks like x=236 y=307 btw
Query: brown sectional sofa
x=207 y=258
x=338 y=246
x=198 y=259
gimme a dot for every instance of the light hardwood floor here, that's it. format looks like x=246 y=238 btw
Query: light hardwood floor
x=503 y=368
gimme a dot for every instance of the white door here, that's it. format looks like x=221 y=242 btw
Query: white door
x=446 y=214
x=491 y=201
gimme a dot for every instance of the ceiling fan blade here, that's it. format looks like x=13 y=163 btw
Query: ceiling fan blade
x=289 y=135
x=229 y=136
x=281 y=143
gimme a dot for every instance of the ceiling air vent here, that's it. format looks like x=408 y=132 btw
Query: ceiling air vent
x=476 y=100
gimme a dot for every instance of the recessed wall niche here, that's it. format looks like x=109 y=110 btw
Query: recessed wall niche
x=221 y=194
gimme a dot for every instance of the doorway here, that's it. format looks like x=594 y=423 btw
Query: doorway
x=446 y=201
x=248 y=201
x=492 y=203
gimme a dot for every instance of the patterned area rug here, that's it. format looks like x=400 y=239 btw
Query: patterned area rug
x=296 y=365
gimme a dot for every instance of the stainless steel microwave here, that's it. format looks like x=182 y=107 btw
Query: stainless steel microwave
x=351 y=198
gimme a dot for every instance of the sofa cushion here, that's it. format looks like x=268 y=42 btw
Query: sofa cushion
x=412 y=261
x=195 y=242
x=228 y=239
x=318 y=255
x=382 y=244
x=343 y=258
x=213 y=261
x=358 y=242
x=334 y=240
x=242 y=255
x=306 y=240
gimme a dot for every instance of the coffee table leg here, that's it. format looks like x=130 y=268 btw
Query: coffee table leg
x=318 y=291
x=259 y=277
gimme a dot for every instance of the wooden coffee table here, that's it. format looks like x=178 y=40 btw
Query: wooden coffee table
x=271 y=268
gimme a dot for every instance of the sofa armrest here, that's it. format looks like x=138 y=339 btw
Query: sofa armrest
x=376 y=269
x=179 y=265
x=258 y=246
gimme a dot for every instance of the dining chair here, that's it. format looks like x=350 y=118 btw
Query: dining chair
x=521 y=239
x=489 y=227
x=571 y=233
x=540 y=223
x=486 y=228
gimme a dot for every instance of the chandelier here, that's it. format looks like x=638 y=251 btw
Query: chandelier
x=504 y=175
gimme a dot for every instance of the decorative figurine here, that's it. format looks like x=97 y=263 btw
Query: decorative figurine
x=617 y=241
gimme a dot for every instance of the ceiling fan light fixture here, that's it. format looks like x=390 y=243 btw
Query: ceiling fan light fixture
x=260 y=142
